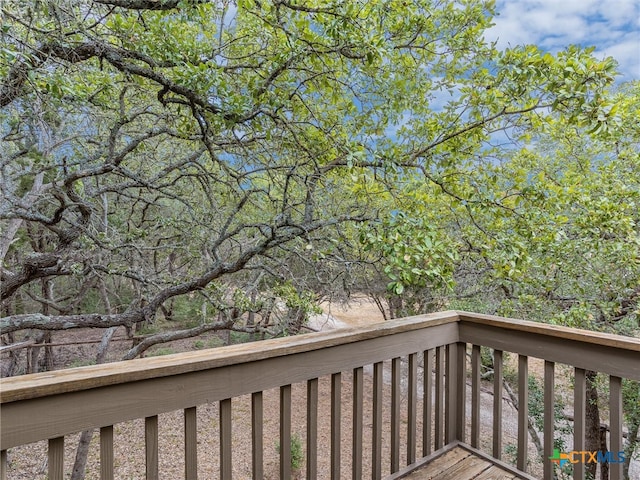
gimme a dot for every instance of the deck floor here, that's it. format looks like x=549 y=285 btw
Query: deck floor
x=459 y=463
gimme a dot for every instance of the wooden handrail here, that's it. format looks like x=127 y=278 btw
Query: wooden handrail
x=81 y=378
x=557 y=331
x=601 y=352
x=121 y=391
x=117 y=392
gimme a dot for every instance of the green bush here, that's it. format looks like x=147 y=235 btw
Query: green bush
x=297 y=452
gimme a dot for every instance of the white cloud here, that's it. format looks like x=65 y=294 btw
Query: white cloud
x=613 y=27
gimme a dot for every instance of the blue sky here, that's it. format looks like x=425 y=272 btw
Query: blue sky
x=612 y=26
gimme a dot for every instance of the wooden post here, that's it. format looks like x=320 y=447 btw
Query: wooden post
x=395 y=414
x=615 y=414
x=475 y=396
x=523 y=412
x=579 y=413
x=56 y=458
x=412 y=386
x=358 y=400
x=190 y=444
x=427 y=402
x=497 y=404
x=285 y=432
x=106 y=453
x=257 y=422
x=225 y=438
x=312 y=429
x=336 y=420
x=549 y=418
x=151 y=447
x=376 y=431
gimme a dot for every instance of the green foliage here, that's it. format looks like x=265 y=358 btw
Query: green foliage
x=413 y=253
x=211 y=158
x=297 y=452
x=562 y=427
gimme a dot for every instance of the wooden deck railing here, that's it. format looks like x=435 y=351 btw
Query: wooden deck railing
x=49 y=406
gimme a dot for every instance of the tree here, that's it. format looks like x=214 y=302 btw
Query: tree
x=223 y=155
x=545 y=230
x=171 y=148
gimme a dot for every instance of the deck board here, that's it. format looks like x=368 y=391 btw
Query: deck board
x=459 y=463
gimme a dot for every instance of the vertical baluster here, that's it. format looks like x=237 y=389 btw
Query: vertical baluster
x=449 y=395
x=523 y=411
x=106 y=453
x=579 y=412
x=615 y=415
x=56 y=458
x=358 y=401
x=461 y=391
x=312 y=429
x=497 y=404
x=475 y=396
x=427 y=401
x=376 y=440
x=336 y=420
x=395 y=415
x=549 y=381
x=285 y=432
x=225 y=438
x=439 y=414
x=3 y=465
x=257 y=422
x=412 y=407
x=151 y=447
x=190 y=444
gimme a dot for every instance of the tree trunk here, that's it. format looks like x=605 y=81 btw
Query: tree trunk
x=82 y=452
x=630 y=448
x=592 y=421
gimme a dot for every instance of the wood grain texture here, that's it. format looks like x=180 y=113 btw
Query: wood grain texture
x=579 y=414
x=336 y=423
x=376 y=430
x=151 y=447
x=3 y=465
x=106 y=453
x=549 y=417
x=556 y=331
x=190 y=444
x=395 y=414
x=412 y=396
x=285 y=432
x=475 y=396
x=619 y=357
x=257 y=427
x=497 y=404
x=438 y=426
x=226 y=448
x=28 y=421
x=459 y=461
x=65 y=381
x=56 y=458
x=523 y=411
x=358 y=413
x=427 y=402
x=312 y=429
x=615 y=422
